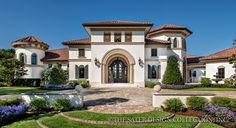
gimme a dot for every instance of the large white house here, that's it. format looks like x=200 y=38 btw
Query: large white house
x=115 y=52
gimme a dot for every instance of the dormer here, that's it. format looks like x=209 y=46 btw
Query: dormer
x=117 y=31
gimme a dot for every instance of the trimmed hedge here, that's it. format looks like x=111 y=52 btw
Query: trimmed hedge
x=83 y=83
x=196 y=103
x=61 y=104
x=39 y=104
x=179 y=87
x=221 y=101
x=174 y=104
x=205 y=82
x=150 y=84
x=10 y=102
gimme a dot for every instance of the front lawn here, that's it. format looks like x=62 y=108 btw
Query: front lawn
x=212 y=89
x=18 y=90
x=58 y=121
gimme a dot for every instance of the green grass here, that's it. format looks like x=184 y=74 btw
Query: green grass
x=209 y=125
x=18 y=90
x=57 y=121
x=212 y=89
x=106 y=117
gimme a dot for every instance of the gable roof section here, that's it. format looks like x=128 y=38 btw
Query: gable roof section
x=82 y=41
x=56 y=55
x=223 y=54
x=117 y=23
x=170 y=28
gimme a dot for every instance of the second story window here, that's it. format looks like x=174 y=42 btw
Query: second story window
x=81 y=53
x=117 y=37
x=128 y=37
x=175 y=43
x=154 y=52
x=107 y=37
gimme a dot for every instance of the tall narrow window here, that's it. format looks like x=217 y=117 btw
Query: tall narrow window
x=152 y=72
x=34 y=59
x=183 y=43
x=81 y=53
x=107 y=37
x=22 y=58
x=117 y=37
x=153 y=52
x=175 y=43
x=158 y=71
x=81 y=71
x=169 y=39
x=221 y=72
x=128 y=36
x=149 y=71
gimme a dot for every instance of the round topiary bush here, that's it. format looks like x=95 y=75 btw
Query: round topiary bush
x=172 y=74
x=61 y=104
x=150 y=84
x=174 y=104
x=196 y=103
x=39 y=104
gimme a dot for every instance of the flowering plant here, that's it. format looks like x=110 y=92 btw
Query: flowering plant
x=220 y=112
x=56 y=86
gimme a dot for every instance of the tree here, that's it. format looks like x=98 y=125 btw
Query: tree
x=172 y=74
x=55 y=75
x=10 y=68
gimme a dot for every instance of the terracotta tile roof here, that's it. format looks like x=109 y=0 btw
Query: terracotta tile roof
x=156 y=41
x=116 y=22
x=30 y=39
x=223 y=54
x=169 y=28
x=190 y=56
x=83 y=41
x=57 y=55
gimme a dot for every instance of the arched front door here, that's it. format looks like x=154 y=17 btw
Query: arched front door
x=117 y=71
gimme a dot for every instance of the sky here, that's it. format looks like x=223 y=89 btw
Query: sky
x=213 y=22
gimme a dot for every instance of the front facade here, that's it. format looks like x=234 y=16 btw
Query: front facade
x=116 y=53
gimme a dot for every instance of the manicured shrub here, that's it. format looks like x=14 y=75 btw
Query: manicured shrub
x=150 y=84
x=205 y=82
x=10 y=102
x=179 y=87
x=172 y=73
x=231 y=81
x=61 y=104
x=3 y=84
x=196 y=103
x=221 y=101
x=83 y=83
x=55 y=75
x=174 y=104
x=220 y=112
x=39 y=104
x=233 y=104
x=8 y=113
x=219 y=86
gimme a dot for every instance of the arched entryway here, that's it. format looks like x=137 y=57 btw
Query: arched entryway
x=117 y=67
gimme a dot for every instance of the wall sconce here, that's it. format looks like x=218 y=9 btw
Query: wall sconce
x=97 y=63
x=141 y=63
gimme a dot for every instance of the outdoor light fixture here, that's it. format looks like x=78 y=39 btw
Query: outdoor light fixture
x=141 y=63
x=97 y=63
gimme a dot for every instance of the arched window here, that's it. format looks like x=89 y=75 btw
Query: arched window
x=175 y=43
x=34 y=59
x=152 y=72
x=81 y=71
x=183 y=43
x=22 y=58
x=169 y=39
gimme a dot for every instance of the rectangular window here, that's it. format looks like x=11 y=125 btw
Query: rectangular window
x=107 y=37
x=81 y=53
x=153 y=52
x=117 y=37
x=128 y=36
x=221 y=73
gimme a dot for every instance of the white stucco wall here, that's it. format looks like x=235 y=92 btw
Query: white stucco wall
x=137 y=51
x=34 y=71
x=199 y=74
x=74 y=53
x=72 y=69
x=212 y=69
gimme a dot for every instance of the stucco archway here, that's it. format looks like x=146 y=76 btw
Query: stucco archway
x=123 y=55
